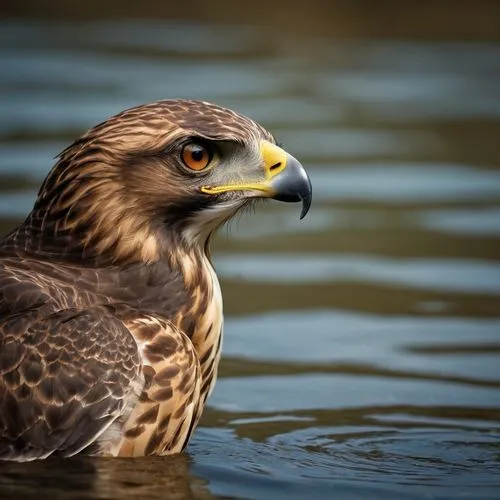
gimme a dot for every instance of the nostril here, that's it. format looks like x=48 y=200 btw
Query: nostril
x=275 y=166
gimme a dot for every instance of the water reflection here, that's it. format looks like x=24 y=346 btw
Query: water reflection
x=362 y=346
x=102 y=478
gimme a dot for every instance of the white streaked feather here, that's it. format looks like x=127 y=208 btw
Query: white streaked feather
x=203 y=223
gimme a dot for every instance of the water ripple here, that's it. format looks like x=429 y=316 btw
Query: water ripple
x=463 y=275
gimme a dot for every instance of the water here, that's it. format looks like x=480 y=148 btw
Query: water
x=362 y=346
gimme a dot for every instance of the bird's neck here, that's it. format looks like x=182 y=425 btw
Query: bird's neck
x=85 y=244
x=182 y=278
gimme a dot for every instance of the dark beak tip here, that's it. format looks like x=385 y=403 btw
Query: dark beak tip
x=306 y=204
x=294 y=185
x=306 y=198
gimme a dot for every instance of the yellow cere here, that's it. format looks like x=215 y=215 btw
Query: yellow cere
x=274 y=159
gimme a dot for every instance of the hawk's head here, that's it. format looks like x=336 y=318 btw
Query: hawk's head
x=162 y=173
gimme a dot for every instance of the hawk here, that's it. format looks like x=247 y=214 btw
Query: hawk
x=110 y=309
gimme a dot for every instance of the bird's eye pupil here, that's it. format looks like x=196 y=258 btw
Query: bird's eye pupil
x=197 y=154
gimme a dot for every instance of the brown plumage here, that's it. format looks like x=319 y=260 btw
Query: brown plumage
x=110 y=310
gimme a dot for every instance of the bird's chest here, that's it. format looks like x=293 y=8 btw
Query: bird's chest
x=202 y=319
x=175 y=389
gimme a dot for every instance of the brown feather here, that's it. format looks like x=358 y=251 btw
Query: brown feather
x=170 y=406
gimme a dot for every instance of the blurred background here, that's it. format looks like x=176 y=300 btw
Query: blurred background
x=362 y=345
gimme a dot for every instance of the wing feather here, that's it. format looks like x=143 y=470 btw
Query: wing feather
x=64 y=379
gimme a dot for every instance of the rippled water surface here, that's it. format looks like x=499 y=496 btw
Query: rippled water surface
x=362 y=345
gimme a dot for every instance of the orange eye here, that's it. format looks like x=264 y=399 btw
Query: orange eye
x=196 y=156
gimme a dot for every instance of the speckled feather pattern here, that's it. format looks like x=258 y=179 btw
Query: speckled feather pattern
x=110 y=320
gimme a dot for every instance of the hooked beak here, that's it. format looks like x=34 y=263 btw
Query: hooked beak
x=292 y=184
x=285 y=179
